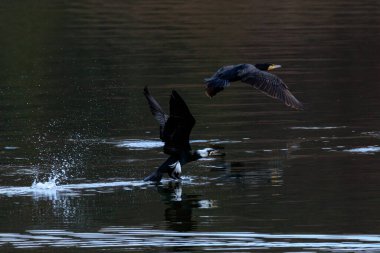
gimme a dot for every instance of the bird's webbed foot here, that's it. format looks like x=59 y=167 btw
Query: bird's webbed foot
x=155 y=177
x=175 y=176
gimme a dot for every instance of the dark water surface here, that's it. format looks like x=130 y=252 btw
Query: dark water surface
x=76 y=135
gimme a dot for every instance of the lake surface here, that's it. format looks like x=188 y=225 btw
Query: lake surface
x=77 y=137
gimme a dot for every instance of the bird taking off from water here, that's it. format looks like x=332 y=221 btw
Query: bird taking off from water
x=255 y=75
x=175 y=130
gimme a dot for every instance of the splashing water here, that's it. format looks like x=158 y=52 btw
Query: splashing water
x=50 y=184
x=59 y=172
x=59 y=162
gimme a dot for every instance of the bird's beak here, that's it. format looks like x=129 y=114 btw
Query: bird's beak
x=274 y=66
x=216 y=153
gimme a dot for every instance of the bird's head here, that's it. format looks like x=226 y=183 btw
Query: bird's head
x=267 y=66
x=206 y=152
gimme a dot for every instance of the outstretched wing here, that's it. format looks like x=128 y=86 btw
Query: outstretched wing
x=272 y=86
x=156 y=110
x=178 y=127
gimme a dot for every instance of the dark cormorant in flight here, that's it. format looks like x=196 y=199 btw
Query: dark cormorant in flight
x=174 y=131
x=255 y=75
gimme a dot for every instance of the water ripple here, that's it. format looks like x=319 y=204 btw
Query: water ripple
x=316 y=127
x=121 y=237
x=364 y=150
x=51 y=190
x=140 y=144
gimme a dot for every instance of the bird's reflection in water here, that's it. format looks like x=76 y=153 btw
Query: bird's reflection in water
x=257 y=172
x=257 y=166
x=179 y=213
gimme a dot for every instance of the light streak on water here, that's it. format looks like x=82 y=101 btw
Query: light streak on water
x=122 y=237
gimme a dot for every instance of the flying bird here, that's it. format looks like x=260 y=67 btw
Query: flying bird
x=175 y=131
x=256 y=75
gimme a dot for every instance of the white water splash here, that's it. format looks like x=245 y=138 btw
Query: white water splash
x=48 y=188
x=50 y=184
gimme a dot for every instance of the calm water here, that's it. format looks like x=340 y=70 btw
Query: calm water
x=76 y=135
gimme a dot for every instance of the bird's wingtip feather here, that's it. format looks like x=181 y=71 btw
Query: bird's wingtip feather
x=301 y=107
x=146 y=91
x=175 y=93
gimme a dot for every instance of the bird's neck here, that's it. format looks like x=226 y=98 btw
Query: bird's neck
x=195 y=155
x=187 y=157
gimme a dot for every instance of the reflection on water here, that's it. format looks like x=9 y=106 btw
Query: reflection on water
x=316 y=127
x=52 y=190
x=179 y=211
x=129 y=238
x=365 y=150
x=140 y=144
x=73 y=120
x=149 y=144
x=259 y=172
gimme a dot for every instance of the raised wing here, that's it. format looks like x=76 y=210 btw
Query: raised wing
x=156 y=110
x=272 y=86
x=178 y=127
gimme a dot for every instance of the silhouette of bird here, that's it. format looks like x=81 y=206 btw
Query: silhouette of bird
x=175 y=130
x=255 y=75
